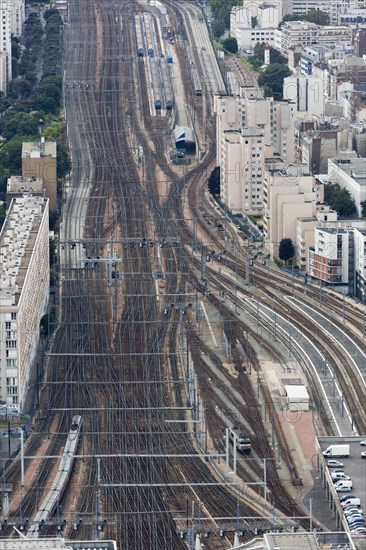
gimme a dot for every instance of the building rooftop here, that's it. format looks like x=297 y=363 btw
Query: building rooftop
x=38 y=149
x=354 y=167
x=248 y=132
x=17 y=239
x=308 y=541
x=18 y=184
x=56 y=544
x=297 y=25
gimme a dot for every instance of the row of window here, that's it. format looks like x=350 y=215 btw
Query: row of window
x=11 y=344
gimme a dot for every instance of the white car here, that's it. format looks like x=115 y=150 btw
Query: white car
x=334 y=464
x=363 y=442
x=363 y=454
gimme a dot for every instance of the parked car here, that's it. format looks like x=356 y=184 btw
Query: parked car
x=363 y=442
x=334 y=464
x=352 y=510
x=346 y=497
x=363 y=454
x=353 y=517
x=340 y=476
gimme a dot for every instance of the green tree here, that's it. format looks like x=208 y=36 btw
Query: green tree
x=15 y=48
x=340 y=200
x=272 y=79
x=317 y=16
x=2 y=215
x=221 y=10
x=23 y=124
x=363 y=209
x=286 y=250
x=214 y=181
x=230 y=44
x=218 y=28
x=11 y=155
x=313 y=16
x=63 y=160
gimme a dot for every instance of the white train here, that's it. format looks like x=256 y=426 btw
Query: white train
x=243 y=443
x=60 y=482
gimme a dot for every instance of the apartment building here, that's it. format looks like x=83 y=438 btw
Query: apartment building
x=242 y=166
x=307 y=92
x=350 y=174
x=298 y=32
x=17 y=16
x=329 y=257
x=248 y=38
x=305 y=228
x=24 y=288
x=334 y=8
x=288 y=194
x=275 y=118
x=359 y=249
x=39 y=160
x=5 y=15
x=17 y=186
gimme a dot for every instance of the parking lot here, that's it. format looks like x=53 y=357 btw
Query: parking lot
x=354 y=465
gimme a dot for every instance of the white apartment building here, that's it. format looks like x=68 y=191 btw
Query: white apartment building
x=297 y=32
x=283 y=7
x=274 y=118
x=241 y=170
x=307 y=92
x=359 y=251
x=349 y=173
x=17 y=16
x=269 y=15
x=240 y=18
x=3 y=72
x=288 y=194
x=305 y=228
x=5 y=15
x=24 y=288
x=334 y=36
x=334 y=8
x=329 y=257
x=248 y=38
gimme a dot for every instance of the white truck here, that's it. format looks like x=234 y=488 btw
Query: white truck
x=337 y=451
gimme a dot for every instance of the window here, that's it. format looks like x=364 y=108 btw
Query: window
x=11 y=363
x=8 y=325
x=13 y=316
x=11 y=344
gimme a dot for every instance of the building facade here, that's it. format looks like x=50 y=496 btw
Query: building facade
x=241 y=170
x=5 y=15
x=24 y=268
x=17 y=17
x=39 y=160
x=306 y=92
x=288 y=194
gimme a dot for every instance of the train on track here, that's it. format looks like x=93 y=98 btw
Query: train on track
x=167 y=88
x=61 y=480
x=243 y=443
x=139 y=39
x=156 y=83
x=149 y=34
